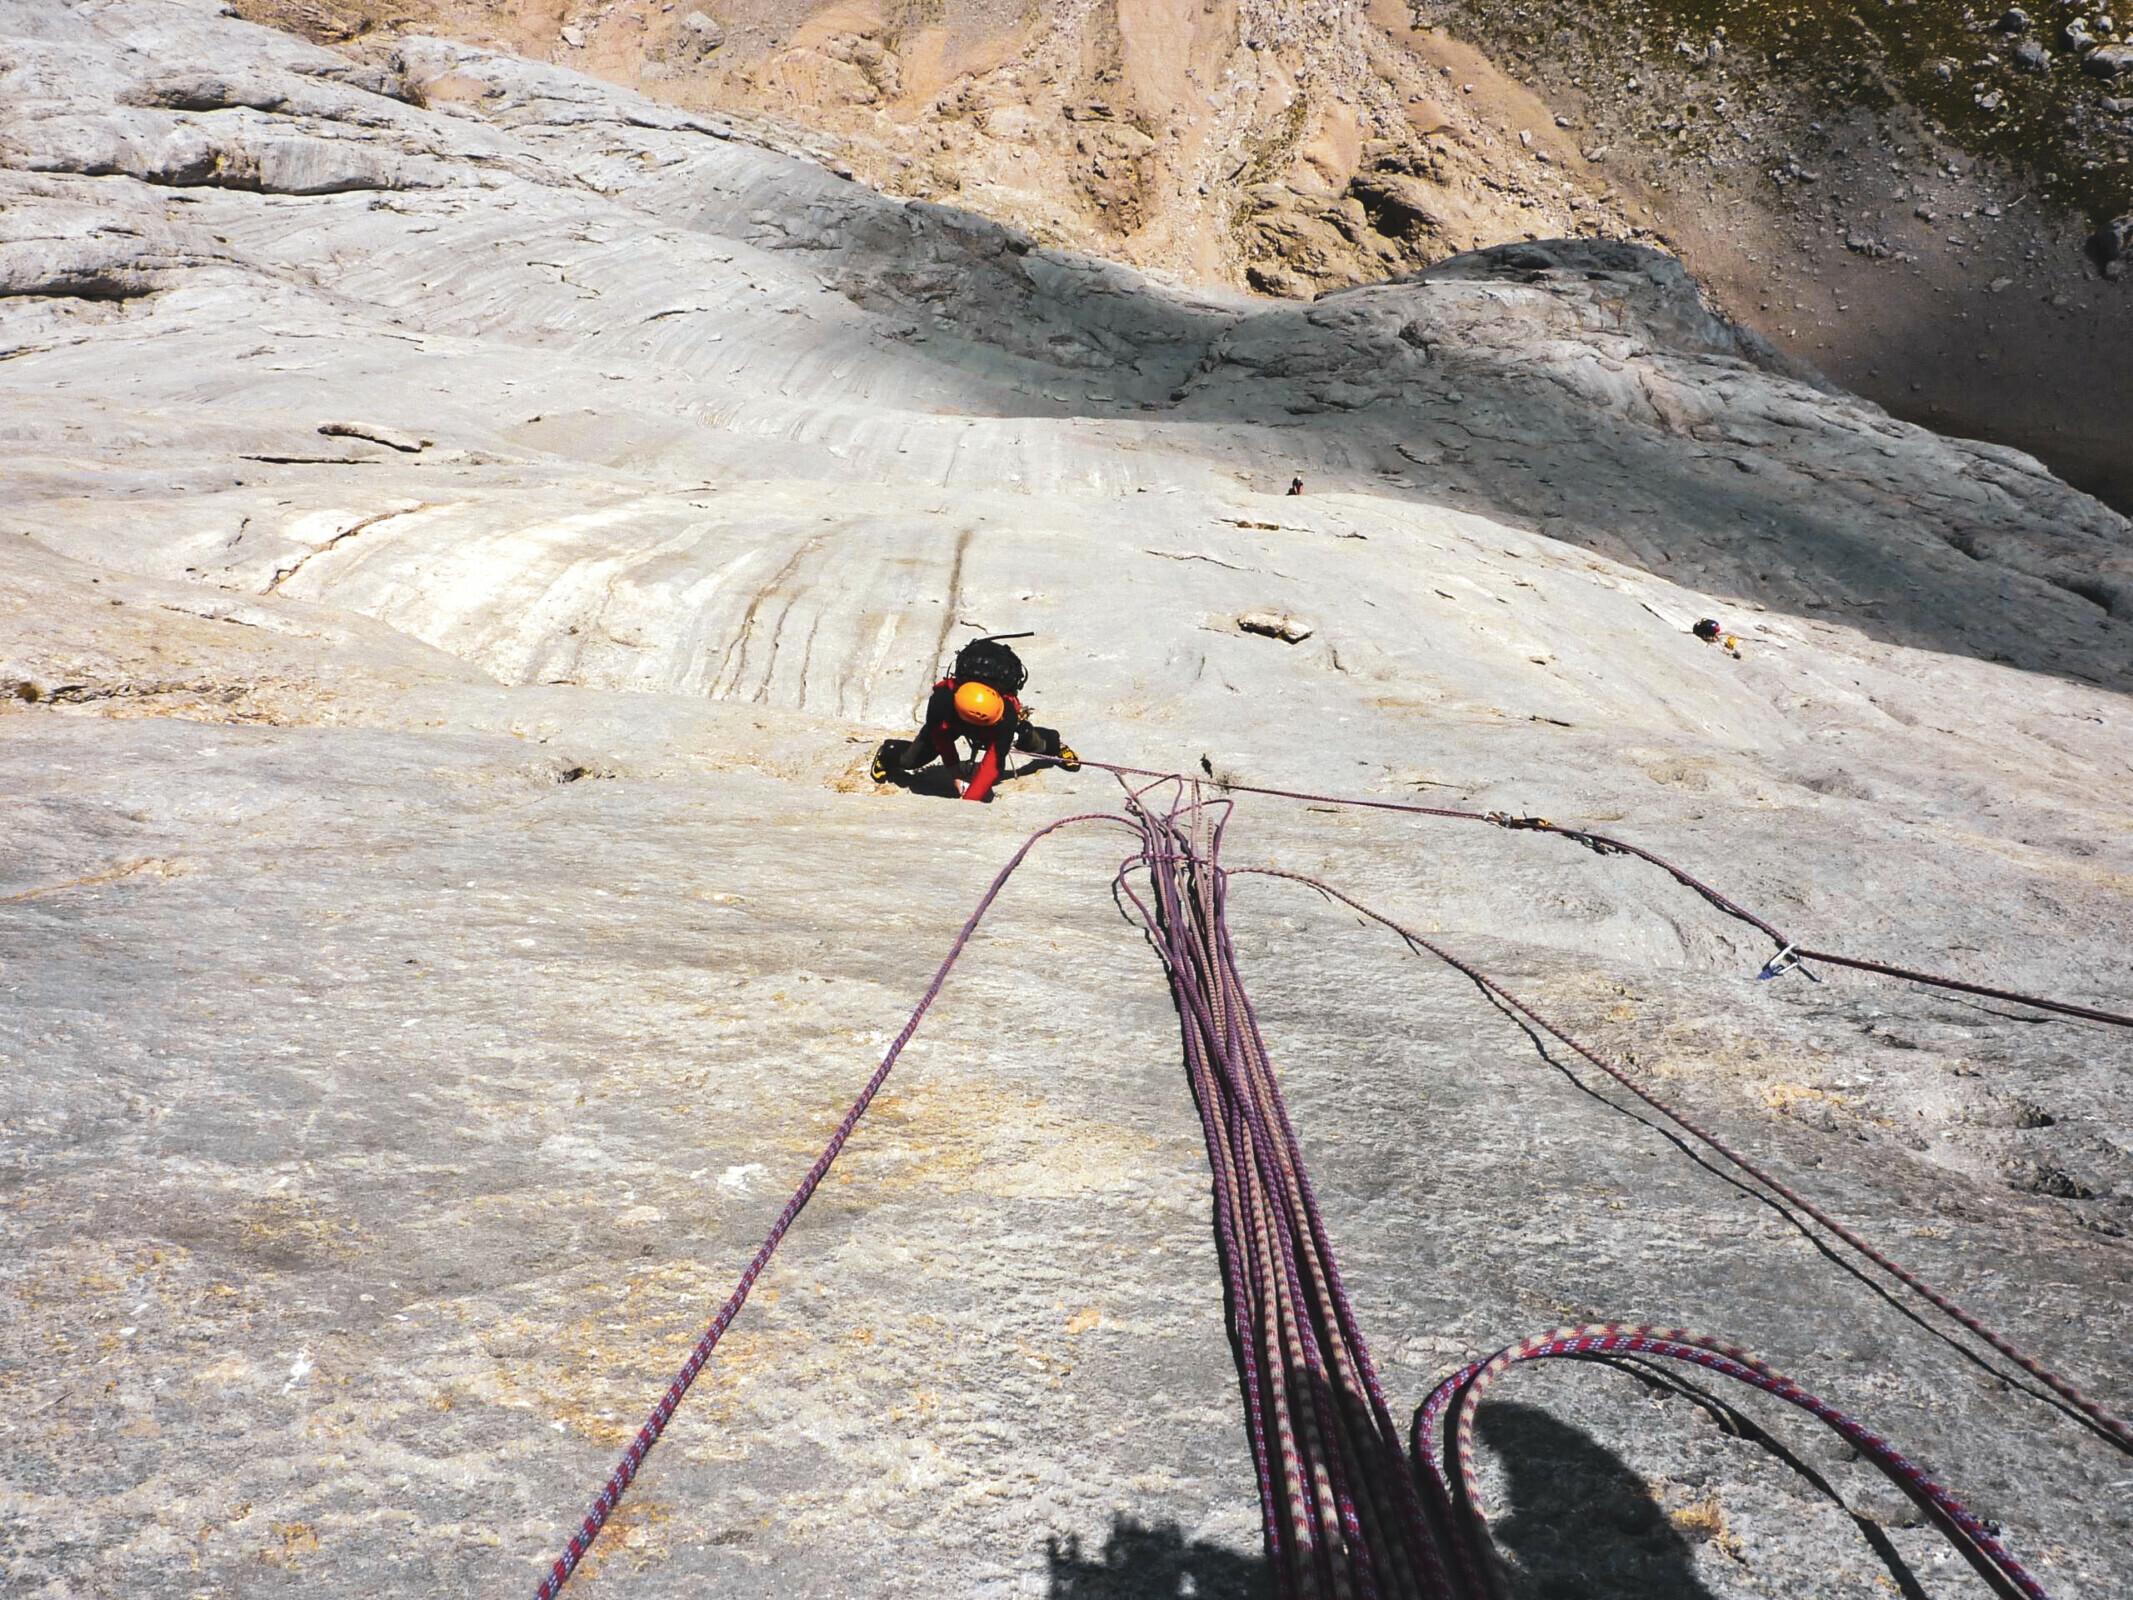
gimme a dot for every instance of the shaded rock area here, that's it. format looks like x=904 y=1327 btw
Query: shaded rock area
x=445 y=907
x=1907 y=198
x=1908 y=202
x=1246 y=143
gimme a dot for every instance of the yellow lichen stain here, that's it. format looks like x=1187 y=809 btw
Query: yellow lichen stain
x=962 y=1136
x=1037 y=1360
x=1789 y=1097
x=1083 y=1320
x=635 y=1533
x=148 y=866
x=289 y=1543
x=223 y=1372
x=924 y=1407
x=597 y=1373
x=852 y=780
x=279 y=1225
x=1704 y=1522
x=2045 y=860
x=1700 y=1521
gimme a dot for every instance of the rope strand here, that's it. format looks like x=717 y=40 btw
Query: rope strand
x=1972 y=1539
x=618 y=1481
x=2107 y=1423
x=1343 y=1516
x=1606 y=845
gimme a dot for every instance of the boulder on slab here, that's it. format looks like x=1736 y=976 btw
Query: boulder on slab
x=1276 y=625
x=701 y=34
x=407 y=443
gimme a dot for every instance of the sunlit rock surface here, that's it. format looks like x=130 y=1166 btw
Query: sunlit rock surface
x=457 y=562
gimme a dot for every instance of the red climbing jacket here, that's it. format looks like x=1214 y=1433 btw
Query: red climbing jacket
x=945 y=725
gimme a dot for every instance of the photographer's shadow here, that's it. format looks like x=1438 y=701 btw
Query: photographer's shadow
x=1577 y=1524
x=1581 y=1525
x=1153 y=1563
x=935 y=780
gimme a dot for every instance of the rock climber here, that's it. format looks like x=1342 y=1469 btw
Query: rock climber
x=1708 y=630
x=1296 y=486
x=976 y=701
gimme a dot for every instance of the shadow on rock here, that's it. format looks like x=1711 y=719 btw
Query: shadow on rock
x=1153 y=1563
x=1581 y=1524
x=1586 y=390
x=935 y=780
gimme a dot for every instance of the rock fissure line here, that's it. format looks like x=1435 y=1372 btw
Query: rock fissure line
x=283 y=574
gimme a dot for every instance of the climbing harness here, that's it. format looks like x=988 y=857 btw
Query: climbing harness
x=1344 y=1514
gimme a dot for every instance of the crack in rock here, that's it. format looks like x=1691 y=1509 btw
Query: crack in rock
x=284 y=574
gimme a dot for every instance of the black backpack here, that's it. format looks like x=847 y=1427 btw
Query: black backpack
x=991 y=663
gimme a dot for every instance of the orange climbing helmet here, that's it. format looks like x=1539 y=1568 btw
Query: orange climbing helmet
x=978 y=704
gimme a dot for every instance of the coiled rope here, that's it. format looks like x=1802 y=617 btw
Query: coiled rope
x=1342 y=1515
x=1328 y=1410
x=1461 y=1496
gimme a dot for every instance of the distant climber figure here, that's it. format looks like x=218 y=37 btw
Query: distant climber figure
x=1296 y=486
x=977 y=701
x=1708 y=630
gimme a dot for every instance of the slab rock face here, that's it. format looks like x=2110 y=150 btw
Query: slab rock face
x=444 y=622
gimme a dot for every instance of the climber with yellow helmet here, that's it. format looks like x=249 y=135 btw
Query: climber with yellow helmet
x=977 y=702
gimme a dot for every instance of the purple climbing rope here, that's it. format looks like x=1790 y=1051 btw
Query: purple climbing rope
x=618 y=1481
x=2104 y=1421
x=1461 y=1500
x=1606 y=845
x=1343 y=1516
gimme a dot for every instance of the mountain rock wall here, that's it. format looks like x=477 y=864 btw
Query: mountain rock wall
x=452 y=576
